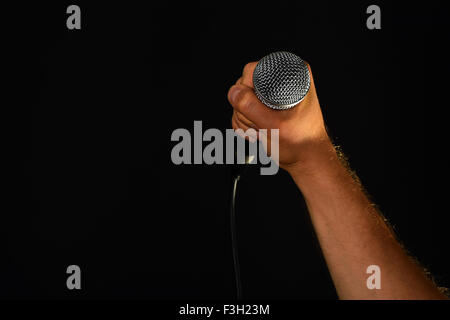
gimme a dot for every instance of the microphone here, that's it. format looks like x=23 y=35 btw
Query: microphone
x=281 y=80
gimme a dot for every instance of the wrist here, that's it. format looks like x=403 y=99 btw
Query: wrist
x=319 y=160
x=314 y=155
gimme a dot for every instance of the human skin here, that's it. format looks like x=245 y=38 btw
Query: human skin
x=351 y=231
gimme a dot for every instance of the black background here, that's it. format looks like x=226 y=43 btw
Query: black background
x=96 y=186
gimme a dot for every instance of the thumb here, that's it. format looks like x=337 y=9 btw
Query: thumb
x=243 y=99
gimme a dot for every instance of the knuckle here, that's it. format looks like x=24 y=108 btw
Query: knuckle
x=246 y=100
x=238 y=96
x=248 y=68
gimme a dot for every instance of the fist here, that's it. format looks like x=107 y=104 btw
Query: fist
x=301 y=128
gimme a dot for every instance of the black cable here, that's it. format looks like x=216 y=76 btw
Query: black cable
x=234 y=240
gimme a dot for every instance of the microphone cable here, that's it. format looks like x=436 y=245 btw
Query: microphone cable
x=234 y=239
x=281 y=80
x=237 y=171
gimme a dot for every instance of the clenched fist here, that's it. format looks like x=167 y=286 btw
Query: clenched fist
x=302 y=132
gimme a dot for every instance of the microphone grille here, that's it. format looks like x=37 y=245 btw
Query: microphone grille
x=281 y=80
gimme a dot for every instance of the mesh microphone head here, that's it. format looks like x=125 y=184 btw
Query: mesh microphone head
x=281 y=80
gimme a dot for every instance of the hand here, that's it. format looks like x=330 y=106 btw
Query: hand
x=302 y=131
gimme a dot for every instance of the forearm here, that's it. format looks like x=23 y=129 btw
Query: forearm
x=351 y=232
x=353 y=235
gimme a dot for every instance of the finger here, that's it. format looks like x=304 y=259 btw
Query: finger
x=244 y=120
x=238 y=124
x=239 y=81
x=247 y=74
x=244 y=100
x=234 y=125
x=243 y=131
